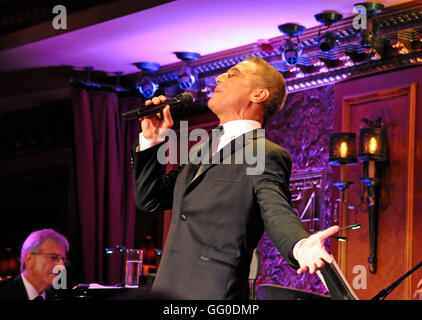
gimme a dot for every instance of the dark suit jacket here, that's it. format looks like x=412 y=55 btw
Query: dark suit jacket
x=14 y=289
x=218 y=218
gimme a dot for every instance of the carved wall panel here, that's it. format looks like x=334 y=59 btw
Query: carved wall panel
x=302 y=127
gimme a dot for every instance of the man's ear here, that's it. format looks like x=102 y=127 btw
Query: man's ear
x=259 y=95
x=29 y=260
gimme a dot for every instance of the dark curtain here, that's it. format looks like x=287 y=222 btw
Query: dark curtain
x=104 y=180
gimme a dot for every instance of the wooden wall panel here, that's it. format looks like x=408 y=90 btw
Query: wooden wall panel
x=394 y=97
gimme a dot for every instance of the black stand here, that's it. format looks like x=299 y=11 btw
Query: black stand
x=386 y=291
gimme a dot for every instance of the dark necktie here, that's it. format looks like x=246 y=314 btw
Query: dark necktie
x=39 y=298
x=213 y=141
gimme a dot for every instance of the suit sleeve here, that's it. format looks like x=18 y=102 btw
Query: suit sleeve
x=271 y=188
x=153 y=186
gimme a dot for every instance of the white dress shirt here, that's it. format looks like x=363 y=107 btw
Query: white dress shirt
x=30 y=290
x=232 y=130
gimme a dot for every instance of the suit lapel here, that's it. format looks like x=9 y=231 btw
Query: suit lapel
x=220 y=156
x=20 y=290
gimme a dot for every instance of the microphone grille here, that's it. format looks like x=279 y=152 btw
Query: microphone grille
x=187 y=98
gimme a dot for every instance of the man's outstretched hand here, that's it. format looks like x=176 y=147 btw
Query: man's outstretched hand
x=311 y=253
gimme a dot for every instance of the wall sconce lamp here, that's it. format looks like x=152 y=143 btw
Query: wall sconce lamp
x=373 y=155
x=343 y=152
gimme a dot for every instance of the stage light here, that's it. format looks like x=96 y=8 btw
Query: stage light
x=290 y=53
x=290 y=50
x=187 y=55
x=186 y=76
x=366 y=24
x=186 y=81
x=328 y=40
x=145 y=85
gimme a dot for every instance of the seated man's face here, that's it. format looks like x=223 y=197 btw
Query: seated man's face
x=42 y=262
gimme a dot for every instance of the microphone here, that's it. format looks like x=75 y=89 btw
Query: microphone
x=183 y=99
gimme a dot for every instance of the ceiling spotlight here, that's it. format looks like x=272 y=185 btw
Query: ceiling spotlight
x=118 y=87
x=290 y=50
x=328 y=40
x=150 y=67
x=145 y=85
x=186 y=76
x=187 y=55
x=186 y=81
x=364 y=23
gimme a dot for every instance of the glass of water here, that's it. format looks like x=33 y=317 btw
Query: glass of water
x=133 y=267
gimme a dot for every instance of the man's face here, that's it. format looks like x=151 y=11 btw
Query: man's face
x=233 y=91
x=41 y=263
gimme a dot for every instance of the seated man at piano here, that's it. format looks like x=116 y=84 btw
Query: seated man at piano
x=42 y=251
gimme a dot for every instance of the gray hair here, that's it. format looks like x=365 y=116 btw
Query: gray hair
x=267 y=77
x=35 y=240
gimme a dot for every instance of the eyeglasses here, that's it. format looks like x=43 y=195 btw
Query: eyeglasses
x=55 y=258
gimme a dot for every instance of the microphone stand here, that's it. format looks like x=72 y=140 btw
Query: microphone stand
x=386 y=291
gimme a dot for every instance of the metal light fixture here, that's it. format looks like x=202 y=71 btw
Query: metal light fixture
x=329 y=39
x=343 y=152
x=146 y=86
x=373 y=155
x=290 y=50
x=366 y=25
x=342 y=148
x=186 y=76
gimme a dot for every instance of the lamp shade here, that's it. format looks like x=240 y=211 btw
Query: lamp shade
x=342 y=149
x=372 y=144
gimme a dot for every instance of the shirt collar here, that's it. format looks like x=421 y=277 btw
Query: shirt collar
x=30 y=290
x=236 y=128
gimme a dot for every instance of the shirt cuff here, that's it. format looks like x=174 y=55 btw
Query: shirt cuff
x=296 y=247
x=145 y=143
